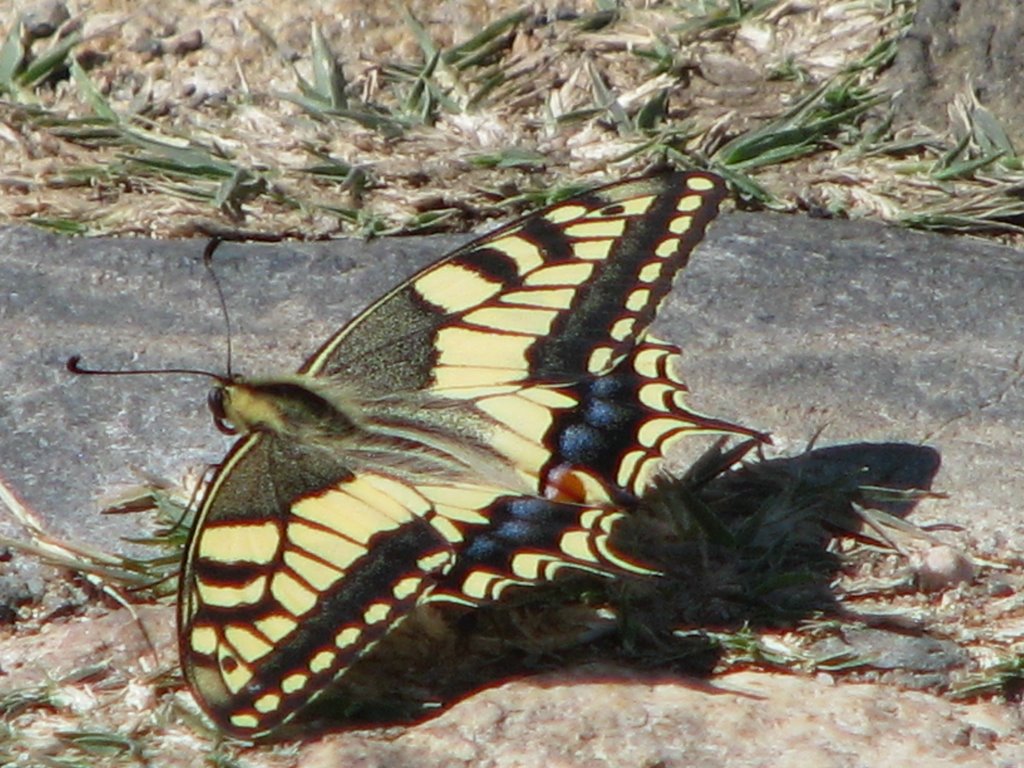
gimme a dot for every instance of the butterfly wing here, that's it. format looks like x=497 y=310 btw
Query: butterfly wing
x=564 y=296
x=563 y=293
x=298 y=567
x=295 y=568
x=608 y=448
x=527 y=541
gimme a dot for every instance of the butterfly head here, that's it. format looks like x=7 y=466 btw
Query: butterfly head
x=289 y=406
x=220 y=403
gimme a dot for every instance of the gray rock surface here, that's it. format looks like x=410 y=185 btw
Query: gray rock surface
x=787 y=324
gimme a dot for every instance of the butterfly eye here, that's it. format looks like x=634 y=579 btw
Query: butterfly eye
x=215 y=400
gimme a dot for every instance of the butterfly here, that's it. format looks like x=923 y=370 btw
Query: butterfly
x=485 y=425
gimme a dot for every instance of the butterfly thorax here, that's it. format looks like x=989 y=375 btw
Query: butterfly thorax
x=286 y=407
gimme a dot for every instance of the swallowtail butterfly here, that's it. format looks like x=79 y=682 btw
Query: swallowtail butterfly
x=484 y=425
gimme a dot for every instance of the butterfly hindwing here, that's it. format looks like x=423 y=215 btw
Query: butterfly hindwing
x=529 y=540
x=600 y=438
x=608 y=447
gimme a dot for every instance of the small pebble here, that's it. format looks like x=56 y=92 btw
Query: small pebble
x=184 y=43
x=44 y=18
x=943 y=566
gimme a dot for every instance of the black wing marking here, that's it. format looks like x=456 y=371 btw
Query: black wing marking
x=529 y=541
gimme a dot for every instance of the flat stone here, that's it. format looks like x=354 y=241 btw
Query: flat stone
x=791 y=325
x=743 y=720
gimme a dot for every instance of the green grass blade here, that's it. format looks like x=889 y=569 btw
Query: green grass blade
x=12 y=54
x=328 y=77
x=100 y=106
x=53 y=60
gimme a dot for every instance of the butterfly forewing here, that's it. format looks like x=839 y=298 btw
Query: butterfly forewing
x=286 y=584
x=561 y=293
x=504 y=408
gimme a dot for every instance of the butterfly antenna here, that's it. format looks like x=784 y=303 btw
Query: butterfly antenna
x=212 y=246
x=74 y=365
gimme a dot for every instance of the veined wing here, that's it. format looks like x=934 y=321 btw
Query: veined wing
x=296 y=567
x=560 y=294
x=496 y=408
x=600 y=439
x=528 y=540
